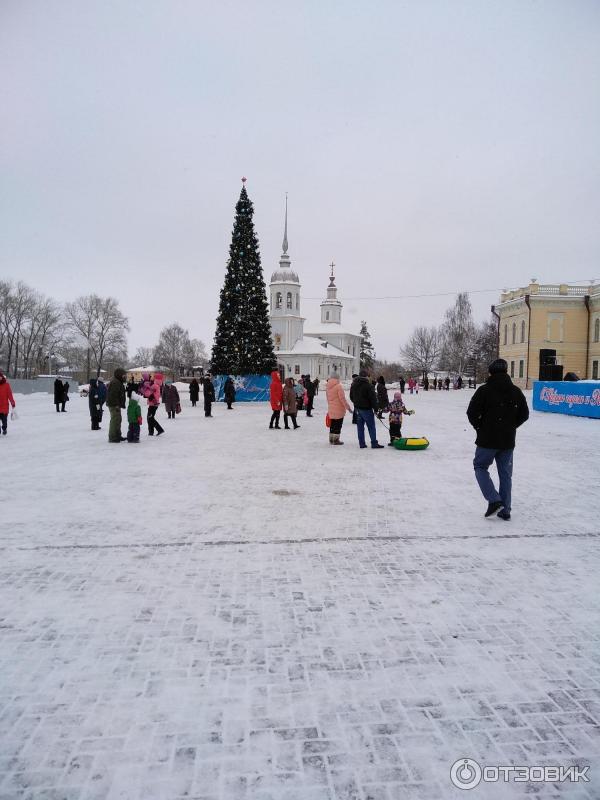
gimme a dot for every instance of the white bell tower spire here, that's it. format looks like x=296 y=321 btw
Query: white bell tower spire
x=331 y=307
x=286 y=323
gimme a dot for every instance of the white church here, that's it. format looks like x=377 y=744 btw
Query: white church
x=323 y=349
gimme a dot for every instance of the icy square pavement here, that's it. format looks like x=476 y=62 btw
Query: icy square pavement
x=233 y=613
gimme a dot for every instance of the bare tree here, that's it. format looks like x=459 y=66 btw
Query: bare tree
x=459 y=335
x=485 y=348
x=175 y=350
x=194 y=354
x=389 y=369
x=143 y=357
x=101 y=326
x=16 y=308
x=422 y=350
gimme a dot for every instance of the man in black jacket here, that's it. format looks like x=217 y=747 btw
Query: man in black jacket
x=362 y=394
x=209 y=394
x=496 y=410
x=115 y=400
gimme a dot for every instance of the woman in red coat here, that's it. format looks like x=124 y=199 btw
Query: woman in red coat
x=276 y=395
x=6 y=397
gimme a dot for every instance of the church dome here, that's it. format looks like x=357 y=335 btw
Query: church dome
x=285 y=274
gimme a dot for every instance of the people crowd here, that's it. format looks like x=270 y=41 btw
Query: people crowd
x=496 y=410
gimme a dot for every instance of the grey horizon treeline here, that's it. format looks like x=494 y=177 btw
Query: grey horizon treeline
x=39 y=334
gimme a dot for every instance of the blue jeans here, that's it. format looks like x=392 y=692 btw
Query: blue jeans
x=365 y=417
x=484 y=456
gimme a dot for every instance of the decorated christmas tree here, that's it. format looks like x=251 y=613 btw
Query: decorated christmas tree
x=243 y=344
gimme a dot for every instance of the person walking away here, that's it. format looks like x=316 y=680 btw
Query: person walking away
x=496 y=410
x=426 y=383
x=209 y=394
x=65 y=396
x=229 y=392
x=131 y=386
x=95 y=404
x=447 y=384
x=383 y=399
x=354 y=411
x=58 y=393
x=397 y=409
x=299 y=392
x=290 y=407
x=276 y=397
x=134 y=418
x=337 y=405
x=362 y=395
x=170 y=398
x=194 y=392
x=402 y=383
x=150 y=389
x=316 y=383
x=102 y=392
x=411 y=385
x=6 y=400
x=459 y=382
x=115 y=400
x=310 y=392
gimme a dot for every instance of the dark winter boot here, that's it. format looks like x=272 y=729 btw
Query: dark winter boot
x=331 y=435
x=336 y=439
x=504 y=514
x=493 y=507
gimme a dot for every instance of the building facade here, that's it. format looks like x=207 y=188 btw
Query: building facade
x=328 y=349
x=549 y=317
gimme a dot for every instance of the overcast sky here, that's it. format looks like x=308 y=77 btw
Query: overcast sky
x=427 y=147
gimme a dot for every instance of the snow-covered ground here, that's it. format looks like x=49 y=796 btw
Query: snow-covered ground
x=228 y=611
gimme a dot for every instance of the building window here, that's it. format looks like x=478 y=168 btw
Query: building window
x=506 y=334
x=522 y=331
x=278 y=300
x=353 y=350
x=327 y=315
x=319 y=369
x=521 y=368
x=514 y=333
x=595 y=370
x=289 y=367
x=297 y=302
x=512 y=369
x=289 y=301
x=296 y=369
x=556 y=323
x=597 y=330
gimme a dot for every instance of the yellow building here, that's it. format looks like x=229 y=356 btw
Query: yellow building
x=557 y=317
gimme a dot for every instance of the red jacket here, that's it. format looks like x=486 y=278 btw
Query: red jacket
x=276 y=391
x=6 y=397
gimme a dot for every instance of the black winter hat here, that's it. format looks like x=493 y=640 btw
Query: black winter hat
x=499 y=365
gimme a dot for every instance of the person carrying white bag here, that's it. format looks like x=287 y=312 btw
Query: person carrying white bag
x=6 y=397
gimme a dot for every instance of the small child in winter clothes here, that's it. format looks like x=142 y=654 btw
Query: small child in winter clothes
x=134 y=418
x=397 y=408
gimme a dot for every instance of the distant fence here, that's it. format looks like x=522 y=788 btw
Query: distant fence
x=45 y=385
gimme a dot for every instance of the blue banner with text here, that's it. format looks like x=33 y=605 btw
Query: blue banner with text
x=579 y=398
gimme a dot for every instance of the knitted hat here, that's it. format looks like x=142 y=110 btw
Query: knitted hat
x=499 y=365
x=397 y=395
